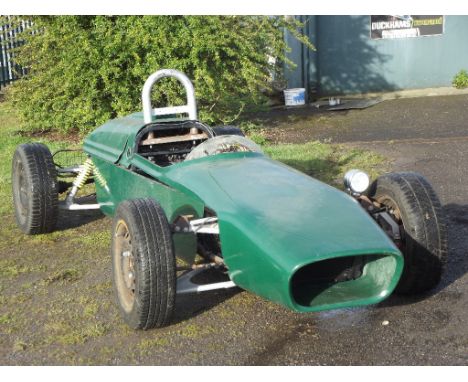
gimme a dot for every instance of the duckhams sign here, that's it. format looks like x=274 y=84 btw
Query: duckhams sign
x=405 y=26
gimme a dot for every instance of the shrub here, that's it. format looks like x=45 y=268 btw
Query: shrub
x=460 y=81
x=84 y=70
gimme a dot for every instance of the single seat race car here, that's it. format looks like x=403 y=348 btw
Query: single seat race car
x=186 y=198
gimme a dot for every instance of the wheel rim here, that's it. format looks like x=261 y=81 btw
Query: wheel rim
x=20 y=191
x=124 y=266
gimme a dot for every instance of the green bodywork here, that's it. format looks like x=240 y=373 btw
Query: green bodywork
x=277 y=225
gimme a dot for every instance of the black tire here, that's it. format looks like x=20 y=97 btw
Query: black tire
x=228 y=130
x=424 y=239
x=35 y=188
x=147 y=298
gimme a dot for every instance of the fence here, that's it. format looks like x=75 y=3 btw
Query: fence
x=9 y=40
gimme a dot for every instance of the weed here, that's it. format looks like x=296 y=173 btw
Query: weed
x=259 y=138
x=460 y=81
x=19 y=346
x=67 y=275
x=5 y=319
x=249 y=127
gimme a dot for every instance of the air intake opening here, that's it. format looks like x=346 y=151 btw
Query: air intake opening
x=343 y=280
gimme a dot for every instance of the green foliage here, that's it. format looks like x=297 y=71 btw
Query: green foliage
x=84 y=70
x=460 y=81
x=258 y=138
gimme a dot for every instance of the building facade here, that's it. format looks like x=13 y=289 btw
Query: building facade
x=360 y=54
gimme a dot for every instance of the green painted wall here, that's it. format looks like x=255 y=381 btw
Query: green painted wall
x=347 y=60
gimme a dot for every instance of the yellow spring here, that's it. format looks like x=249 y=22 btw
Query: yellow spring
x=84 y=174
x=98 y=176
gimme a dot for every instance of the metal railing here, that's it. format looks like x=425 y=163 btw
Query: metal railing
x=9 y=40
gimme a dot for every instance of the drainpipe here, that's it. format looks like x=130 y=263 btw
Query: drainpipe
x=306 y=74
x=305 y=57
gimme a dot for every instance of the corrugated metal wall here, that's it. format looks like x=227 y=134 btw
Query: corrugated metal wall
x=347 y=60
x=9 y=41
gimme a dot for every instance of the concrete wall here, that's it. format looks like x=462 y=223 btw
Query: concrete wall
x=347 y=60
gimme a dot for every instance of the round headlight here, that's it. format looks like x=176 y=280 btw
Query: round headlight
x=357 y=181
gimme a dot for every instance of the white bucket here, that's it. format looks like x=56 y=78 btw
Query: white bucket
x=294 y=97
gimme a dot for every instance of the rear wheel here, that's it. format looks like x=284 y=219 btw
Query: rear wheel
x=35 y=188
x=143 y=262
x=413 y=204
x=228 y=130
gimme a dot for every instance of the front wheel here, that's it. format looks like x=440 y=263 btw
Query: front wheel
x=143 y=262
x=413 y=204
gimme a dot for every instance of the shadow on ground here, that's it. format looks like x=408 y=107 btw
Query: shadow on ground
x=191 y=305
x=457 y=258
x=73 y=219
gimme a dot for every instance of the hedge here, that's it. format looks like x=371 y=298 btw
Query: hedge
x=84 y=70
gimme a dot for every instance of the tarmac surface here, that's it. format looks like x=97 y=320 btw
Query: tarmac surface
x=428 y=135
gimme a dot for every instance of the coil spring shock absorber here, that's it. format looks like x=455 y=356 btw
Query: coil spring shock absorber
x=80 y=179
x=99 y=178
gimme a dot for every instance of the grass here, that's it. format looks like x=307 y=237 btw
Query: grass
x=150 y=345
x=56 y=290
x=5 y=319
x=64 y=332
x=10 y=268
x=101 y=238
x=326 y=162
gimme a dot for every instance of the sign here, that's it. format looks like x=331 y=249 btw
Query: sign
x=405 y=26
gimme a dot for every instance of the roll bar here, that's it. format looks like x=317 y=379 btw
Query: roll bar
x=190 y=108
